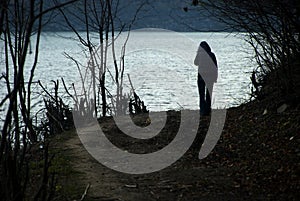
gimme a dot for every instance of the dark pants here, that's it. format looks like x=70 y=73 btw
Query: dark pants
x=205 y=96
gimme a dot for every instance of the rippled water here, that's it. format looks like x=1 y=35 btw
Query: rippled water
x=163 y=78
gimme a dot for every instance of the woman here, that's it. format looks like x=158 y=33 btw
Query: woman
x=207 y=75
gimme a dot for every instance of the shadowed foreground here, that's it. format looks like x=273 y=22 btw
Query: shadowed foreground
x=256 y=158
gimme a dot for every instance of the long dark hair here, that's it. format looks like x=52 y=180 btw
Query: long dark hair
x=205 y=46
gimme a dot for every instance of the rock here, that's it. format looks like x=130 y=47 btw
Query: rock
x=282 y=108
x=265 y=111
x=131 y=185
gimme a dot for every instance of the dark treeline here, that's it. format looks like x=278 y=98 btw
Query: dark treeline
x=151 y=15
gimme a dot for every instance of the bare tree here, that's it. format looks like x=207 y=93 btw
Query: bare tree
x=20 y=25
x=101 y=21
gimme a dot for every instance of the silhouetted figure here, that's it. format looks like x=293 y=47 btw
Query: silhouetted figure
x=207 y=76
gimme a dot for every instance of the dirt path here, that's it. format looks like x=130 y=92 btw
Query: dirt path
x=233 y=171
x=182 y=181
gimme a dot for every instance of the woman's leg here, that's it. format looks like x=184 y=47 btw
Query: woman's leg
x=209 y=90
x=201 y=89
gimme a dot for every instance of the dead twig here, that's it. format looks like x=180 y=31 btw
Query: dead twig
x=85 y=192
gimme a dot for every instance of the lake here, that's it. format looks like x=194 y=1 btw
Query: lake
x=160 y=65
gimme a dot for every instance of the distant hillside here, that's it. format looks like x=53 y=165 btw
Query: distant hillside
x=154 y=14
